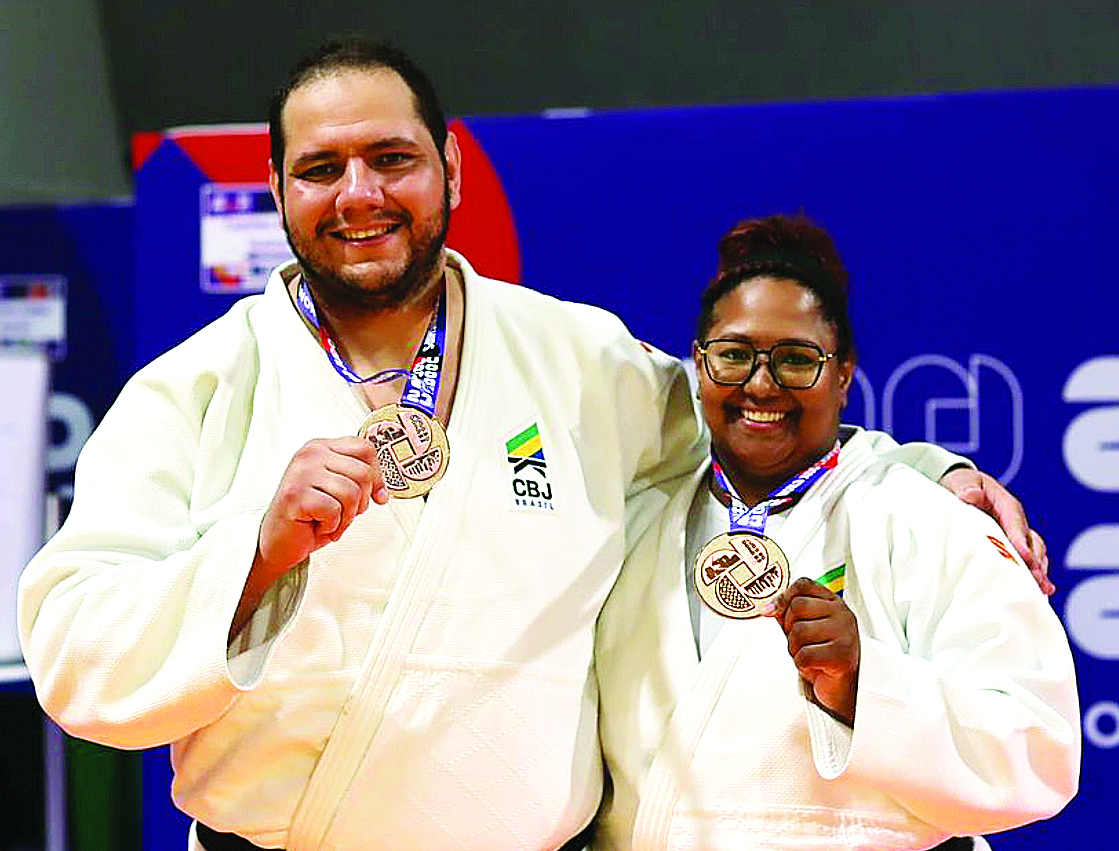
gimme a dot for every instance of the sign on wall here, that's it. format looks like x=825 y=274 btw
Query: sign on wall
x=240 y=239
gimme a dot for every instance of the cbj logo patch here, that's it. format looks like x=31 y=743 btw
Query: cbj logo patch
x=529 y=471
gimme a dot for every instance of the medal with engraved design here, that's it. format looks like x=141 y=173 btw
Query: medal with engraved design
x=738 y=573
x=412 y=448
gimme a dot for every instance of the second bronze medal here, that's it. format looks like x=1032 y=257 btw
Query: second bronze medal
x=738 y=573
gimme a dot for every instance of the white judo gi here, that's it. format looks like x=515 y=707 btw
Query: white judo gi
x=442 y=648
x=967 y=718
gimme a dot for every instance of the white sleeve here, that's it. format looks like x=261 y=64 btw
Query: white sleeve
x=658 y=419
x=928 y=459
x=968 y=715
x=124 y=614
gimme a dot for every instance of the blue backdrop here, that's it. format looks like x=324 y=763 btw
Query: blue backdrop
x=979 y=231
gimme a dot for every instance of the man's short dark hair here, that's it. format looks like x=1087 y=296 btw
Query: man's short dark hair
x=357 y=53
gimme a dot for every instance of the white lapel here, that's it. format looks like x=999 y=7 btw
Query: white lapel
x=696 y=700
x=419 y=574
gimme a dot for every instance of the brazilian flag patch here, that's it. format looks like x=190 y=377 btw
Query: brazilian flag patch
x=530 y=484
x=526 y=449
x=835 y=579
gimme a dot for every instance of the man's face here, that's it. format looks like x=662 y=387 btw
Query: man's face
x=362 y=190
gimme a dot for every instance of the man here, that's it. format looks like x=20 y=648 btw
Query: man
x=336 y=668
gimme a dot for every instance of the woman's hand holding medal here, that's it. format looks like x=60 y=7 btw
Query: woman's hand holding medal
x=823 y=640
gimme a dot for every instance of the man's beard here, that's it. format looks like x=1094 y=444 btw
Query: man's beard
x=393 y=290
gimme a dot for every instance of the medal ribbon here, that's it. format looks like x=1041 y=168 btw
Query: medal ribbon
x=422 y=387
x=753 y=520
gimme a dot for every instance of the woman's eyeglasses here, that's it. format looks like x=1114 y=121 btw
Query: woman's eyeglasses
x=796 y=366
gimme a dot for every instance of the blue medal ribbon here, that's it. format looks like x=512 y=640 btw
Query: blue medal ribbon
x=753 y=520
x=422 y=387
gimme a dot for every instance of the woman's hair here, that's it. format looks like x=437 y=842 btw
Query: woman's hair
x=781 y=246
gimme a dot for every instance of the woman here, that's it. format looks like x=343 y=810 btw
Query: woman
x=909 y=684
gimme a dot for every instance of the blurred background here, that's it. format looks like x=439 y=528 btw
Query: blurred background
x=80 y=78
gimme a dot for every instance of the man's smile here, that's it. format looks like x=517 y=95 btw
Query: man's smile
x=365 y=234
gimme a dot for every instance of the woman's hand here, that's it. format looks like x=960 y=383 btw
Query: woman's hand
x=823 y=639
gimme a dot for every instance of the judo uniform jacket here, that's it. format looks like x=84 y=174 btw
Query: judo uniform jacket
x=966 y=720
x=423 y=682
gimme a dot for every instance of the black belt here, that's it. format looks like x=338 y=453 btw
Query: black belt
x=211 y=840
x=956 y=843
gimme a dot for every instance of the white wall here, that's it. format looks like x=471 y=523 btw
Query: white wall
x=24 y=379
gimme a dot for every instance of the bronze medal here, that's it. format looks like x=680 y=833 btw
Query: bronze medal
x=412 y=448
x=737 y=574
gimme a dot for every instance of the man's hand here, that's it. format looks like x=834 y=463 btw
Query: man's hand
x=987 y=494
x=326 y=485
x=823 y=639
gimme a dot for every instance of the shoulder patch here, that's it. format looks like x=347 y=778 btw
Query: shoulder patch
x=1001 y=547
